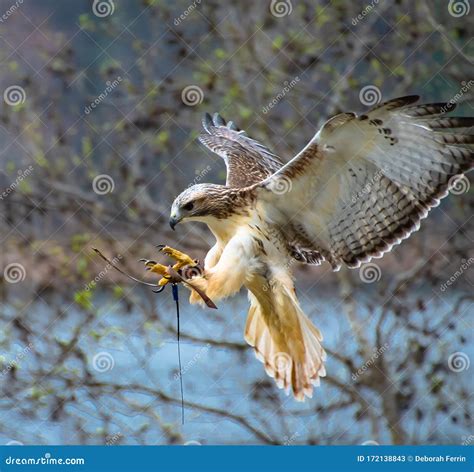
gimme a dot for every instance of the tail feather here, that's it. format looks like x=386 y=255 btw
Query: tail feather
x=285 y=340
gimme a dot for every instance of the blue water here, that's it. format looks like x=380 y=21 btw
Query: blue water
x=144 y=356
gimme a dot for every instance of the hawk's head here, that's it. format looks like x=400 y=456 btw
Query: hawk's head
x=202 y=202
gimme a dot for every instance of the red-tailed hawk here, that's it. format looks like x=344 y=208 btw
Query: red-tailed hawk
x=361 y=185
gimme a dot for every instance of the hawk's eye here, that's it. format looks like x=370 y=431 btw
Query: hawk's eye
x=189 y=206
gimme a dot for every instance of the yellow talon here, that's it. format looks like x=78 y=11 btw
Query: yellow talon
x=182 y=258
x=163 y=281
x=162 y=270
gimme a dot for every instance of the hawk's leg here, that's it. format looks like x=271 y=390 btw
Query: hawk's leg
x=182 y=260
x=160 y=269
x=229 y=274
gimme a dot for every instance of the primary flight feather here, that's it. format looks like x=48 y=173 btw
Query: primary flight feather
x=361 y=185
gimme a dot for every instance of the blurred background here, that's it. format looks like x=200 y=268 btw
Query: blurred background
x=102 y=102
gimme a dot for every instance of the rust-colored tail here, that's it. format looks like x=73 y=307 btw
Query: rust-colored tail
x=284 y=338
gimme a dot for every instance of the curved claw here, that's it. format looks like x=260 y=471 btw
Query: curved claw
x=160 y=289
x=160 y=246
x=181 y=258
x=147 y=262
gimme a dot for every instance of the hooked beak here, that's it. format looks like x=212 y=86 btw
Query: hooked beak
x=174 y=220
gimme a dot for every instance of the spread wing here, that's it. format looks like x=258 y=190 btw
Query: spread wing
x=363 y=183
x=247 y=161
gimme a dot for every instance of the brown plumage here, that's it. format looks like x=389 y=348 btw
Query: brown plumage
x=361 y=185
